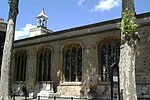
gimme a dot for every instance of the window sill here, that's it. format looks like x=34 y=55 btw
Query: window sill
x=104 y=83
x=71 y=84
x=19 y=82
x=44 y=81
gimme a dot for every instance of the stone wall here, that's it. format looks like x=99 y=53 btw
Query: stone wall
x=143 y=64
x=90 y=62
x=143 y=90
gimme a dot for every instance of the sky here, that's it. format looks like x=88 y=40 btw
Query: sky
x=65 y=14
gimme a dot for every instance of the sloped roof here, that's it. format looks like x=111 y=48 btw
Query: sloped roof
x=142 y=19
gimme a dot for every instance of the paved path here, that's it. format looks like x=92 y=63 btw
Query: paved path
x=59 y=98
x=63 y=98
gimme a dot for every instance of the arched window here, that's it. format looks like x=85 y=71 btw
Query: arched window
x=72 y=69
x=109 y=52
x=44 y=65
x=20 y=65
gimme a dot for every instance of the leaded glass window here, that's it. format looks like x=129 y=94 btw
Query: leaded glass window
x=20 y=65
x=109 y=52
x=44 y=65
x=72 y=69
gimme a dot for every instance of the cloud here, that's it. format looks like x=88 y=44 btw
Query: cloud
x=106 y=5
x=81 y=2
x=23 y=32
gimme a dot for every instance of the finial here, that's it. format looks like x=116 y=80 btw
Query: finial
x=43 y=10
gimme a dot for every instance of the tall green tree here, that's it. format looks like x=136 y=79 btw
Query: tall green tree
x=129 y=39
x=5 y=92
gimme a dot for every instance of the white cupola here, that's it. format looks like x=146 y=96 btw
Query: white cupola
x=41 y=28
x=42 y=19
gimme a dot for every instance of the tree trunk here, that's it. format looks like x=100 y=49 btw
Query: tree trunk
x=7 y=52
x=127 y=61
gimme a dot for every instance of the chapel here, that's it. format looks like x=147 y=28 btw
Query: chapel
x=69 y=62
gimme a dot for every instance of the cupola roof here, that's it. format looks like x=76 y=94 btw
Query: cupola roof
x=42 y=15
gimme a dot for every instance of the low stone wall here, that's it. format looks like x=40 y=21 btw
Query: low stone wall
x=69 y=91
x=143 y=90
x=17 y=88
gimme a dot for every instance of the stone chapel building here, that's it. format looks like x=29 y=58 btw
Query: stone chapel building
x=68 y=62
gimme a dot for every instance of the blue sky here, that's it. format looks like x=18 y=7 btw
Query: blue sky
x=64 y=14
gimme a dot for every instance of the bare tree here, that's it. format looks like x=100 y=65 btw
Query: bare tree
x=129 y=39
x=5 y=92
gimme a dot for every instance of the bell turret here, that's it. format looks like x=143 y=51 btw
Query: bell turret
x=41 y=28
x=42 y=19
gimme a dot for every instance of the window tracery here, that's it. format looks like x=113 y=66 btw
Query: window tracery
x=20 y=65
x=109 y=52
x=44 y=65
x=72 y=69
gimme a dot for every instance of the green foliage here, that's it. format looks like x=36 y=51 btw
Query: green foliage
x=128 y=25
x=92 y=89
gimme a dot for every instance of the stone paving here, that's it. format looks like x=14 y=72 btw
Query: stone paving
x=23 y=98
x=59 y=98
